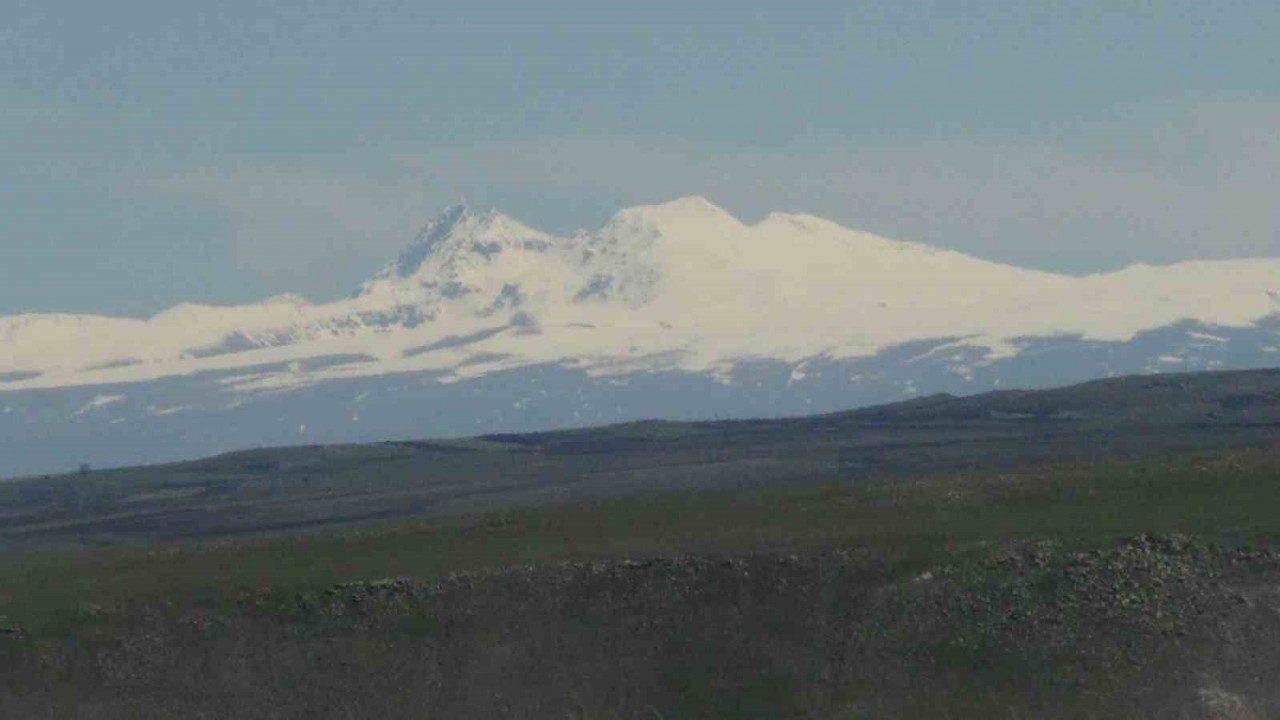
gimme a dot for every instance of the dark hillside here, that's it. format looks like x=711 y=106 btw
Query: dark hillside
x=294 y=489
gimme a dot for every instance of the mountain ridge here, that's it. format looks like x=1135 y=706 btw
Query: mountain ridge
x=675 y=311
x=683 y=280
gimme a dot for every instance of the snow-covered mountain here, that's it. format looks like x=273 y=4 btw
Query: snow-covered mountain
x=789 y=314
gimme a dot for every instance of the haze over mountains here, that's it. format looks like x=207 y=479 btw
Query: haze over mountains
x=676 y=310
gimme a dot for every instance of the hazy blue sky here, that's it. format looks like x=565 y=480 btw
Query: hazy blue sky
x=152 y=152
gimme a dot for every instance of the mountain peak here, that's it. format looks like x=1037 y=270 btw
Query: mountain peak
x=692 y=212
x=691 y=204
x=453 y=225
x=431 y=234
x=677 y=285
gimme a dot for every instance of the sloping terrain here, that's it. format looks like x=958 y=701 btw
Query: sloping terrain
x=298 y=488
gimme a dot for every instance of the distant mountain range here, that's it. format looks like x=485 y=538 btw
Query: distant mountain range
x=672 y=311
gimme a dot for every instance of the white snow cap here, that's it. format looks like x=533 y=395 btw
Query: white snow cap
x=679 y=285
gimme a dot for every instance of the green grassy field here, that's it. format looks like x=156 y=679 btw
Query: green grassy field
x=960 y=574
x=1233 y=496
x=762 y=575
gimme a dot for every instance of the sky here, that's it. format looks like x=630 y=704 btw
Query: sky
x=159 y=152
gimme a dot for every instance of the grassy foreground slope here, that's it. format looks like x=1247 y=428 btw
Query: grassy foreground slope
x=1090 y=589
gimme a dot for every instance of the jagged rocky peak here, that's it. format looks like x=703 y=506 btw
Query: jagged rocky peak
x=458 y=229
x=461 y=234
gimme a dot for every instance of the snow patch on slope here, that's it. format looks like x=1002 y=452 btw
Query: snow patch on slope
x=100 y=401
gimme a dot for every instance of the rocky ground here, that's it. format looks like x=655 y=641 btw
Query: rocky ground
x=1158 y=626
